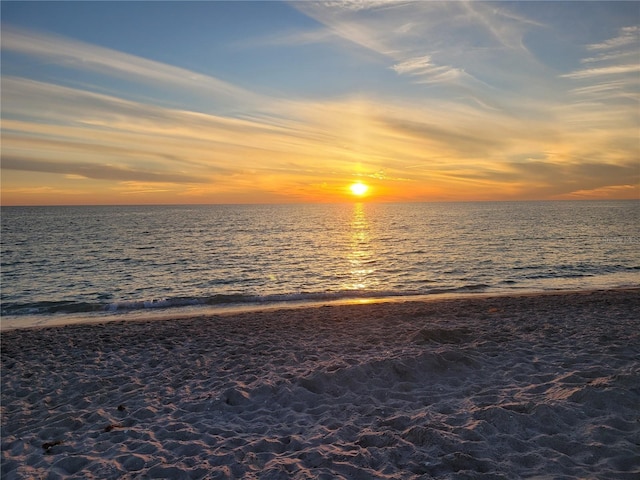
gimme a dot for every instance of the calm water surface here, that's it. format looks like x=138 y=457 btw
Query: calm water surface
x=101 y=260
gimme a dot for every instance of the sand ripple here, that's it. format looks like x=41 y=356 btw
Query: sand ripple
x=538 y=386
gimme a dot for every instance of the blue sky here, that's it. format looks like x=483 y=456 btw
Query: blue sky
x=217 y=102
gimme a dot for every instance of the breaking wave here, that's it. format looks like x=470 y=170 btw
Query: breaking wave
x=68 y=307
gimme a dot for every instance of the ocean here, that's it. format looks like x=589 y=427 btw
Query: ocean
x=112 y=261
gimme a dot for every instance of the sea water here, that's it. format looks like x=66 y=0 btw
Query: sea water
x=106 y=260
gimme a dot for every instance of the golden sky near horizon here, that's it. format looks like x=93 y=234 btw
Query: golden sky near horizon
x=221 y=102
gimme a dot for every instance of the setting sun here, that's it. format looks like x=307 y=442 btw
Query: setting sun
x=358 y=188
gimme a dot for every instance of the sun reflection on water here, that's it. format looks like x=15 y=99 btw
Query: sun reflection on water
x=361 y=255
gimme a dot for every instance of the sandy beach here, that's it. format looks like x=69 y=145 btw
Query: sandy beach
x=536 y=386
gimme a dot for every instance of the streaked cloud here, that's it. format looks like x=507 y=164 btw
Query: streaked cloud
x=429 y=72
x=95 y=171
x=629 y=36
x=437 y=41
x=597 y=72
x=467 y=106
x=619 y=62
x=76 y=55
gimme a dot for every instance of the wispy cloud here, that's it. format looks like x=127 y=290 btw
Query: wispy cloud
x=627 y=56
x=470 y=110
x=95 y=171
x=598 y=72
x=360 y=5
x=429 y=72
x=55 y=129
x=607 y=93
x=77 y=55
x=304 y=142
x=413 y=32
x=629 y=36
x=505 y=27
x=618 y=56
x=558 y=179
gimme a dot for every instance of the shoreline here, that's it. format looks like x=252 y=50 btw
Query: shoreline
x=15 y=322
x=481 y=387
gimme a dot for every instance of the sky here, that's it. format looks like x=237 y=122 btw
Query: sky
x=284 y=102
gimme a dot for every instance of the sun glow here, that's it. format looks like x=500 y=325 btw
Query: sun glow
x=358 y=188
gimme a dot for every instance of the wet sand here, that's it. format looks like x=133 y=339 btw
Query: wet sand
x=533 y=386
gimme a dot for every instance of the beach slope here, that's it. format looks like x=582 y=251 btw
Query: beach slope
x=487 y=387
